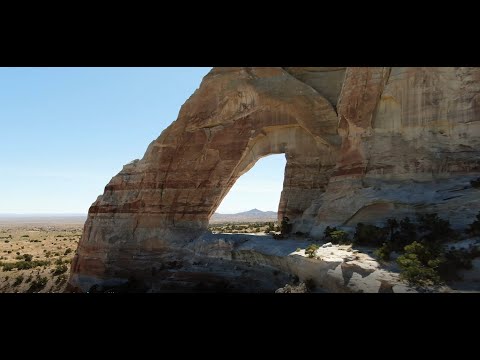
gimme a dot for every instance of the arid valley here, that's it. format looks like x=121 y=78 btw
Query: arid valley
x=36 y=253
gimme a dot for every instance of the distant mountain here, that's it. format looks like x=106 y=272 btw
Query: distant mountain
x=253 y=215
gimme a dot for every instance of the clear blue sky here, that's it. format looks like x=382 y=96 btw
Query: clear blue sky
x=65 y=132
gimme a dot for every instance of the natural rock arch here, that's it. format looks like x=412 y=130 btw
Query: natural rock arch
x=361 y=144
x=165 y=200
x=307 y=159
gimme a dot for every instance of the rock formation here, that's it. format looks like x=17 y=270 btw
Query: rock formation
x=361 y=144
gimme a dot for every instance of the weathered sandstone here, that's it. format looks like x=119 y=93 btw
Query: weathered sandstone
x=361 y=144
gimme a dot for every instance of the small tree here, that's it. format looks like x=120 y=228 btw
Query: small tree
x=436 y=230
x=419 y=264
x=367 y=234
x=328 y=232
x=311 y=250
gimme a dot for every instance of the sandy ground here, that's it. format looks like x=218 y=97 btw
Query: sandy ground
x=51 y=246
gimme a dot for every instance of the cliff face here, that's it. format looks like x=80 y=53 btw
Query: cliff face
x=361 y=144
x=410 y=143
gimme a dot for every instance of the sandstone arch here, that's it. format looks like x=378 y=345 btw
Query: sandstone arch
x=165 y=200
x=404 y=138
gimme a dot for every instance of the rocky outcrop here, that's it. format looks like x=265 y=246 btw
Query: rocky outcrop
x=361 y=144
x=410 y=144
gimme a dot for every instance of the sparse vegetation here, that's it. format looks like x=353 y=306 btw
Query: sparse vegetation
x=340 y=237
x=27 y=257
x=62 y=279
x=23 y=260
x=23 y=265
x=392 y=225
x=18 y=280
x=240 y=228
x=406 y=234
x=60 y=269
x=423 y=259
x=270 y=227
x=328 y=231
x=38 y=284
x=419 y=264
x=435 y=229
x=311 y=250
x=383 y=252
x=366 y=234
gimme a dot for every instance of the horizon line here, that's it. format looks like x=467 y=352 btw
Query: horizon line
x=43 y=214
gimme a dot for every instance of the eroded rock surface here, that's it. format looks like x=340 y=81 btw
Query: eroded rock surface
x=361 y=144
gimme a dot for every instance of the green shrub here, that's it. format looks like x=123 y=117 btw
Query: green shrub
x=415 y=272
x=383 y=252
x=60 y=269
x=7 y=241
x=392 y=225
x=328 y=231
x=27 y=257
x=18 y=280
x=23 y=265
x=406 y=234
x=340 y=237
x=311 y=249
x=455 y=260
x=25 y=236
x=38 y=284
x=367 y=234
x=62 y=279
x=420 y=263
x=435 y=229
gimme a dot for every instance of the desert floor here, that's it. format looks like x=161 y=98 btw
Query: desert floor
x=37 y=257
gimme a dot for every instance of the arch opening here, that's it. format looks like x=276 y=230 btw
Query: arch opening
x=307 y=163
x=258 y=188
